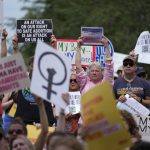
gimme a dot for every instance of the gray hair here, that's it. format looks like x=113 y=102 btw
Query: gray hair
x=98 y=65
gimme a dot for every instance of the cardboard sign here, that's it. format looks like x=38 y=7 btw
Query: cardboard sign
x=51 y=74
x=74 y=103
x=33 y=30
x=68 y=47
x=13 y=74
x=92 y=35
x=143 y=47
x=102 y=120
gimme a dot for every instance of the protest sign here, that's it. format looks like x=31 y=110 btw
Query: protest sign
x=51 y=74
x=33 y=132
x=102 y=120
x=88 y=53
x=13 y=74
x=74 y=103
x=133 y=106
x=143 y=123
x=68 y=47
x=33 y=30
x=143 y=47
x=118 y=61
x=99 y=53
x=92 y=35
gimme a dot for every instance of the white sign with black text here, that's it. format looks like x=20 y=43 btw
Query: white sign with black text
x=143 y=47
x=74 y=103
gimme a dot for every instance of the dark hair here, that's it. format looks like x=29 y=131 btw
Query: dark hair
x=132 y=126
x=18 y=120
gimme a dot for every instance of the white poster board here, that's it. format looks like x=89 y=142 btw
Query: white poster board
x=51 y=74
x=68 y=47
x=143 y=123
x=13 y=74
x=143 y=47
x=118 y=61
x=133 y=106
x=74 y=103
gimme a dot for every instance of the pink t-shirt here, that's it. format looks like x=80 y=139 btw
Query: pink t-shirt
x=85 y=83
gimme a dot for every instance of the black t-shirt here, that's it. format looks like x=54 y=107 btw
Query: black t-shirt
x=141 y=145
x=27 y=108
x=138 y=86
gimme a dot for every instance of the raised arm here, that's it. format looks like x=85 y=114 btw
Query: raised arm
x=78 y=56
x=53 y=41
x=61 y=122
x=40 y=142
x=15 y=44
x=6 y=102
x=108 y=55
x=3 y=44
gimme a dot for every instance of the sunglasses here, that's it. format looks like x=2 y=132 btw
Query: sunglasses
x=128 y=63
x=18 y=131
x=73 y=80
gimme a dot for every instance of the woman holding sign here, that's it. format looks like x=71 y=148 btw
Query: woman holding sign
x=95 y=74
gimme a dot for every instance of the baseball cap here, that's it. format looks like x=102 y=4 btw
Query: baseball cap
x=129 y=58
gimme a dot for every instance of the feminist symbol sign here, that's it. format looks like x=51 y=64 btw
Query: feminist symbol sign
x=51 y=72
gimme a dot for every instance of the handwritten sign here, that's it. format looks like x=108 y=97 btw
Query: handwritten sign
x=143 y=47
x=51 y=74
x=143 y=124
x=102 y=120
x=33 y=30
x=68 y=47
x=74 y=103
x=13 y=74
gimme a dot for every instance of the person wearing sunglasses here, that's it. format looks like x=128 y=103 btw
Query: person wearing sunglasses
x=73 y=85
x=131 y=84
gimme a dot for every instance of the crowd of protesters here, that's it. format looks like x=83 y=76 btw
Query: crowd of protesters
x=69 y=133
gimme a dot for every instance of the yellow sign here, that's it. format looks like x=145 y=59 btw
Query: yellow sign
x=13 y=110
x=104 y=127
x=33 y=132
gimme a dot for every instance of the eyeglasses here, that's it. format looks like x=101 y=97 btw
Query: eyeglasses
x=73 y=80
x=128 y=63
x=17 y=131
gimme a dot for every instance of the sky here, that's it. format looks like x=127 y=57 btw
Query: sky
x=12 y=8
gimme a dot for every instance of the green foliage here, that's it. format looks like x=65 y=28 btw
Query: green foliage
x=123 y=21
